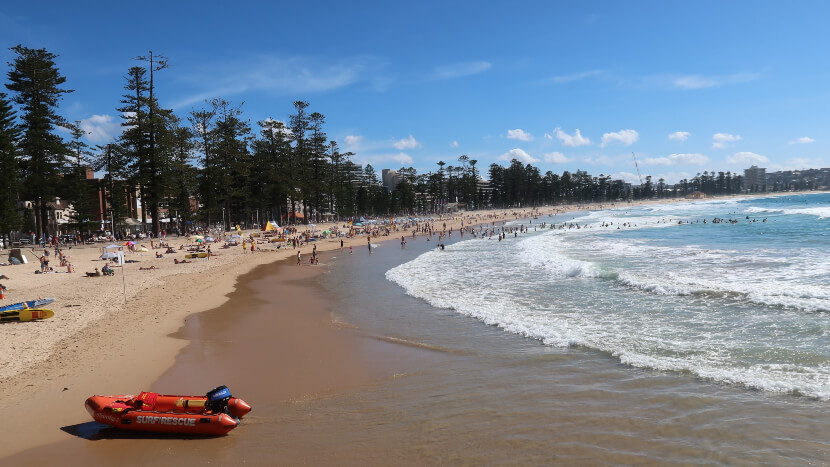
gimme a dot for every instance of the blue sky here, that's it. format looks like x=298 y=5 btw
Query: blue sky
x=566 y=85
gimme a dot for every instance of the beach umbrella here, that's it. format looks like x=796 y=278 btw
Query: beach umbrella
x=236 y=236
x=200 y=240
x=108 y=255
x=128 y=243
x=209 y=239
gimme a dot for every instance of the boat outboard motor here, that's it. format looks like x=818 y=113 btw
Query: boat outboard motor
x=217 y=400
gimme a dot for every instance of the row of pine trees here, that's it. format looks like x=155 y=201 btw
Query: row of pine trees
x=239 y=173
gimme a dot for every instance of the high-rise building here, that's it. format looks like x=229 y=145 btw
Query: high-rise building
x=755 y=179
x=390 y=178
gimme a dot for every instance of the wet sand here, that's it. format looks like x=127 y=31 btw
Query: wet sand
x=275 y=345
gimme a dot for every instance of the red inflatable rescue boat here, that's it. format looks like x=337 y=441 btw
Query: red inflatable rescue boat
x=216 y=413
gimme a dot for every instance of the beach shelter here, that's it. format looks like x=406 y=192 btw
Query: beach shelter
x=271 y=225
x=108 y=255
x=111 y=246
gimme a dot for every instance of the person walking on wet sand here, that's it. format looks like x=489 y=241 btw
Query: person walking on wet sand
x=369 y=244
x=299 y=258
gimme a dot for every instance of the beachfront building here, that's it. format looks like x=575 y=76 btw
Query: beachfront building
x=390 y=179
x=696 y=195
x=755 y=179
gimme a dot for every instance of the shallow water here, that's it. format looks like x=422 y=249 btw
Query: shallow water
x=498 y=391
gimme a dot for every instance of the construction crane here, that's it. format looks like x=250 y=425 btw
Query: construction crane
x=638 y=168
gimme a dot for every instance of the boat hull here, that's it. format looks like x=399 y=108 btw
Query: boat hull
x=170 y=414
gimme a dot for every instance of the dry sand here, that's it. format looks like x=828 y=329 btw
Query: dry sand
x=98 y=343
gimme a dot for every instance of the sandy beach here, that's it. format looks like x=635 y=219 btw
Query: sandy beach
x=97 y=343
x=117 y=334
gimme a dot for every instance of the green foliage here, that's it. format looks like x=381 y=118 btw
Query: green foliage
x=9 y=169
x=36 y=83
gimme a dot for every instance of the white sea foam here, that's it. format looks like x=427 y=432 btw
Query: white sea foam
x=820 y=212
x=720 y=308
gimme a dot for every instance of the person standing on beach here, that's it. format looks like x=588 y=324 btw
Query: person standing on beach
x=299 y=258
x=244 y=247
x=369 y=244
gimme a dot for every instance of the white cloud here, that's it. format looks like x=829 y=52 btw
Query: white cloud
x=574 y=77
x=746 y=158
x=407 y=143
x=518 y=154
x=519 y=134
x=626 y=137
x=797 y=163
x=402 y=158
x=460 y=69
x=803 y=140
x=275 y=76
x=720 y=140
x=677 y=159
x=383 y=160
x=101 y=128
x=454 y=144
x=567 y=140
x=627 y=177
x=555 y=158
x=284 y=131
x=702 y=82
x=680 y=135
x=352 y=140
x=603 y=161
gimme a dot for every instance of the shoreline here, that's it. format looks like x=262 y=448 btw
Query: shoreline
x=127 y=347
x=125 y=353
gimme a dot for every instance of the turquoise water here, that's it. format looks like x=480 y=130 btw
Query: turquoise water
x=744 y=302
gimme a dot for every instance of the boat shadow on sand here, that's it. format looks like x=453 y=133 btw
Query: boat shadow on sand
x=94 y=431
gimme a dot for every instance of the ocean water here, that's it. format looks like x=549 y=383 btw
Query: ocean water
x=744 y=302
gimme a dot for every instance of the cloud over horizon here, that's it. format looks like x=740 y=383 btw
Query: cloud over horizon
x=746 y=158
x=567 y=140
x=720 y=140
x=677 y=159
x=803 y=140
x=519 y=155
x=692 y=82
x=625 y=137
x=101 y=128
x=458 y=70
x=407 y=143
x=679 y=135
x=556 y=158
x=519 y=134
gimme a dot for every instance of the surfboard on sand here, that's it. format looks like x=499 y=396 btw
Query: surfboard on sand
x=196 y=255
x=29 y=314
x=28 y=304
